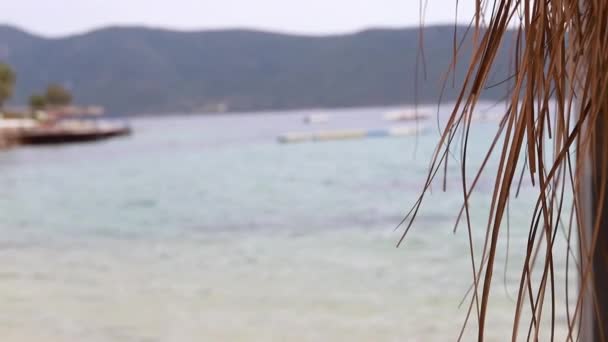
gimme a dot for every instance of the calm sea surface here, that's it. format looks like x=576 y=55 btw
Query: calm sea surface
x=204 y=228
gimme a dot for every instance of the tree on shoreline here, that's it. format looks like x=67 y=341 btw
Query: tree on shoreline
x=7 y=83
x=58 y=96
x=37 y=102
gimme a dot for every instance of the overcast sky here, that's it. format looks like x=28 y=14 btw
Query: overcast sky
x=61 y=17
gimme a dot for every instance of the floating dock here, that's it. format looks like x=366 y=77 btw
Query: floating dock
x=296 y=137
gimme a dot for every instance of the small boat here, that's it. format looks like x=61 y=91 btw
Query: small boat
x=316 y=118
x=406 y=115
x=485 y=117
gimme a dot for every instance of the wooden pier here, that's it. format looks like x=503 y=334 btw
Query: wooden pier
x=75 y=131
x=64 y=135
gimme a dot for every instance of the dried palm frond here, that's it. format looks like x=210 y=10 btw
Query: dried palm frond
x=556 y=123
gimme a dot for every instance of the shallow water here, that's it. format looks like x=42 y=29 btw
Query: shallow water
x=203 y=228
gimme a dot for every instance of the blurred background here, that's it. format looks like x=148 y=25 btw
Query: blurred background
x=196 y=170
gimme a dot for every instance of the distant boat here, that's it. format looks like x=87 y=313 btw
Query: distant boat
x=485 y=117
x=406 y=115
x=316 y=118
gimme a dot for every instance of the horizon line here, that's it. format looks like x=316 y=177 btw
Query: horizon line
x=223 y=29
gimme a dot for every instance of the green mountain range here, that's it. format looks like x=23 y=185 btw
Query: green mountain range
x=135 y=70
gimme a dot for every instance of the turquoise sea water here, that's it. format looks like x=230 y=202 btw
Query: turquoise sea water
x=203 y=228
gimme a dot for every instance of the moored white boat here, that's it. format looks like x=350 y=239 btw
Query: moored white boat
x=316 y=118
x=406 y=115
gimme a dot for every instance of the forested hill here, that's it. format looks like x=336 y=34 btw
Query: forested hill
x=135 y=70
